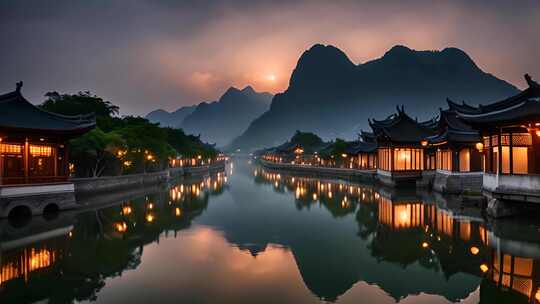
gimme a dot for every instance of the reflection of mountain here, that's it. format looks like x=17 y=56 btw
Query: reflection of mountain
x=332 y=97
x=330 y=255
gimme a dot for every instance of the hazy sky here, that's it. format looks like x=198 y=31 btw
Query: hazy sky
x=144 y=54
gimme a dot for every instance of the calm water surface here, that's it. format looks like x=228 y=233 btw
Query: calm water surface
x=254 y=236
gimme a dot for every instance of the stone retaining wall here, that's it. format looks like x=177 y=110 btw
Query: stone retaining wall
x=96 y=185
x=364 y=175
x=458 y=183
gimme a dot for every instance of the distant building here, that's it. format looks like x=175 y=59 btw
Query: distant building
x=362 y=155
x=510 y=129
x=400 y=153
x=34 y=147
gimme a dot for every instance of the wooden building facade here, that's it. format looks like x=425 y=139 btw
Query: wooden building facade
x=510 y=130
x=34 y=142
x=400 y=153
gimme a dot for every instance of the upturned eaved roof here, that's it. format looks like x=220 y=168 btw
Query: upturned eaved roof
x=452 y=129
x=524 y=106
x=401 y=128
x=358 y=147
x=367 y=137
x=18 y=114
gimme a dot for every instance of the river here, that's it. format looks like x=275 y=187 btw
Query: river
x=249 y=235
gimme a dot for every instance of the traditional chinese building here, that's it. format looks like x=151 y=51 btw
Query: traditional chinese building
x=510 y=129
x=34 y=148
x=400 y=154
x=362 y=155
x=458 y=160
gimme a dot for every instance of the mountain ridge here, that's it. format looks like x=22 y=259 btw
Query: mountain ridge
x=330 y=95
x=222 y=120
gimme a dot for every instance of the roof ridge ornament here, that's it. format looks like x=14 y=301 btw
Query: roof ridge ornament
x=530 y=81
x=18 y=86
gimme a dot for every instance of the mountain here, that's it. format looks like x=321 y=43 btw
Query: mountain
x=170 y=119
x=221 y=121
x=331 y=96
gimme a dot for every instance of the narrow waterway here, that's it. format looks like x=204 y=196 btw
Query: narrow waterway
x=250 y=235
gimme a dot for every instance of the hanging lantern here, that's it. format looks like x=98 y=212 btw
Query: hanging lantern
x=480 y=147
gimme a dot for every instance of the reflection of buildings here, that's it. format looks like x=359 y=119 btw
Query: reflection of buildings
x=70 y=258
x=339 y=197
x=21 y=258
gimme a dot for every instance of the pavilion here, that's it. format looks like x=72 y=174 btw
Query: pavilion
x=458 y=158
x=400 y=154
x=34 y=148
x=510 y=130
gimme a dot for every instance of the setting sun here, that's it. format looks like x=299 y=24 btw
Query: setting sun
x=271 y=77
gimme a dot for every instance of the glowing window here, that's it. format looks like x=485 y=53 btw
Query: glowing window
x=464 y=160
x=40 y=151
x=10 y=149
x=520 y=160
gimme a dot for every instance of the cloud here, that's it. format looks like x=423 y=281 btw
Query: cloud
x=147 y=54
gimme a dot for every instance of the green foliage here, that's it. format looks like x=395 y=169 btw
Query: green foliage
x=94 y=150
x=80 y=103
x=121 y=145
x=189 y=145
x=148 y=148
x=306 y=139
x=336 y=149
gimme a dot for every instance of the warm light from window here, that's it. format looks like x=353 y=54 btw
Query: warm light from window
x=474 y=250
x=177 y=212
x=537 y=133
x=43 y=151
x=149 y=218
x=11 y=149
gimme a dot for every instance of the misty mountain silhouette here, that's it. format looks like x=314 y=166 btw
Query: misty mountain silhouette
x=170 y=119
x=332 y=97
x=221 y=121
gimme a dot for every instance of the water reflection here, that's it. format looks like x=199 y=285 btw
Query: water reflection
x=240 y=238
x=414 y=231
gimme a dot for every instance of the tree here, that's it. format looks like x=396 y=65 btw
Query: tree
x=144 y=146
x=93 y=151
x=306 y=139
x=147 y=143
x=80 y=103
x=189 y=145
